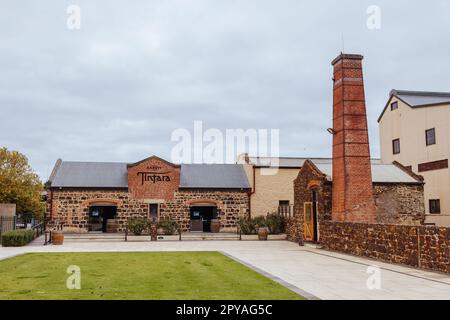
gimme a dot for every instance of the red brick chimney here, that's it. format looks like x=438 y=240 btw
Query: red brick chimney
x=352 y=194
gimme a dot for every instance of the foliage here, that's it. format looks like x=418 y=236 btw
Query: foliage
x=276 y=223
x=20 y=185
x=246 y=225
x=259 y=222
x=18 y=238
x=138 y=225
x=168 y=226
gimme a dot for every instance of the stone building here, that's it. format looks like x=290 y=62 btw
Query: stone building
x=83 y=196
x=351 y=187
x=397 y=194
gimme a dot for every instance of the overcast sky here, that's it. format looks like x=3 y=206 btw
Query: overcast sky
x=116 y=89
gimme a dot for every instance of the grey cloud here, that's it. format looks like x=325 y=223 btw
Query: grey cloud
x=137 y=70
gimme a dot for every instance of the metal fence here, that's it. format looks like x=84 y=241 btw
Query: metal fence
x=13 y=223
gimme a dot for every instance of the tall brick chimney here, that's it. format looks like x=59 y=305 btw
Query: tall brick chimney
x=352 y=196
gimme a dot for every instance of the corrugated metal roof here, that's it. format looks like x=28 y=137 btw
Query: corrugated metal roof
x=115 y=175
x=381 y=173
x=421 y=98
x=91 y=175
x=417 y=99
x=284 y=162
x=220 y=176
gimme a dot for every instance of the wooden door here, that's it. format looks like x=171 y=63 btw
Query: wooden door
x=308 y=224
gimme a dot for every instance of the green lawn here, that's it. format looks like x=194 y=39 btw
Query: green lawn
x=136 y=275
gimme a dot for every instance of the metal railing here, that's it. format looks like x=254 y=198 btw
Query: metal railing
x=239 y=231
x=39 y=228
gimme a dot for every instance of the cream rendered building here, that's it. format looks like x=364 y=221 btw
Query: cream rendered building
x=415 y=131
x=272 y=182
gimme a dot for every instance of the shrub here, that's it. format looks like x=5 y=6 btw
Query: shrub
x=276 y=223
x=251 y=225
x=18 y=238
x=138 y=225
x=168 y=226
x=246 y=225
x=259 y=222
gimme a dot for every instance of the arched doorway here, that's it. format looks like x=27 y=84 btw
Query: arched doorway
x=310 y=212
x=201 y=215
x=99 y=214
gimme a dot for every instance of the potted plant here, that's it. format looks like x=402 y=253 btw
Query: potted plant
x=137 y=225
x=167 y=230
x=167 y=227
x=261 y=226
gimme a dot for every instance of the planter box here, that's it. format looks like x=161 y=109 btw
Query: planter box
x=249 y=237
x=168 y=238
x=277 y=236
x=133 y=238
x=271 y=237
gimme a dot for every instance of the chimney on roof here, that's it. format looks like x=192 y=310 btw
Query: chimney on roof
x=352 y=196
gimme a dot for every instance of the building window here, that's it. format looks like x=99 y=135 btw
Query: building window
x=430 y=136
x=284 y=208
x=435 y=206
x=153 y=211
x=394 y=106
x=396 y=146
x=283 y=203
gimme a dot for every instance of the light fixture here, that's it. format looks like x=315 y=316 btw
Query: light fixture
x=331 y=131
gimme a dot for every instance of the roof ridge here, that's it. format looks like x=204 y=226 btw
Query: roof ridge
x=306 y=158
x=79 y=161
x=395 y=92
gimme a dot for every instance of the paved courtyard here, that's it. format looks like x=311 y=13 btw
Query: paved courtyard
x=313 y=272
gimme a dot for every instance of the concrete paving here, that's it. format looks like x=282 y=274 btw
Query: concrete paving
x=315 y=272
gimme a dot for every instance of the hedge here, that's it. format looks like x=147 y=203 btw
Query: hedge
x=18 y=238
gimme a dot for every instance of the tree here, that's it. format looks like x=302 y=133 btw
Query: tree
x=20 y=185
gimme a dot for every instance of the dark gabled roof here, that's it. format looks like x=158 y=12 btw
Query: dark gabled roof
x=217 y=176
x=417 y=99
x=70 y=174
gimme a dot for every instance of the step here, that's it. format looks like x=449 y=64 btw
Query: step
x=94 y=240
x=93 y=237
x=209 y=238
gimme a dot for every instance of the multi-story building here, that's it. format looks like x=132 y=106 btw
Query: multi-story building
x=415 y=131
